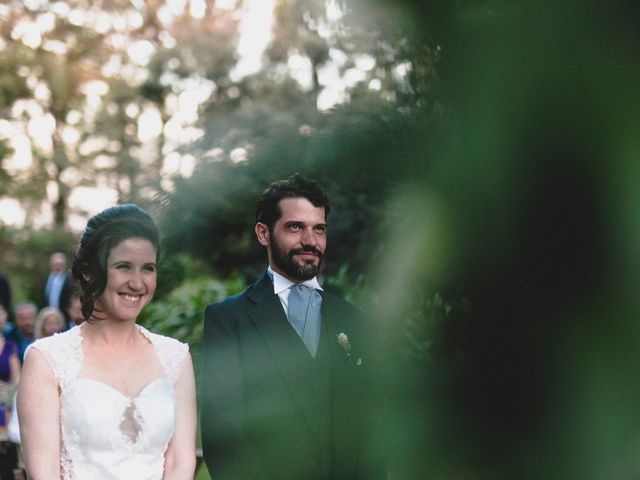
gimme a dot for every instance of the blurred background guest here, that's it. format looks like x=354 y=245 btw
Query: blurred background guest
x=9 y=375
x=73 y=311
x=22 y=332
x=57 y=286
x=5 y=325
x=5 y=293
x=9 y=363
x=49 y=321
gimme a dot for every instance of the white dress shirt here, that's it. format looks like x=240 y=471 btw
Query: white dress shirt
x=55 y=282
x=281 y=286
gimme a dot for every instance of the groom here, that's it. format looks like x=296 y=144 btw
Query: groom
x=283 y=378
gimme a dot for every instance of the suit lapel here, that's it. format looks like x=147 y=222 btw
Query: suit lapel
x=285 y=346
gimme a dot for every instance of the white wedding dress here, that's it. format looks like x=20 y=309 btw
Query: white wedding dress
x=105 y=434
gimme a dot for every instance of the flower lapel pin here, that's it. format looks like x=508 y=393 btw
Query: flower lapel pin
x=343 y=341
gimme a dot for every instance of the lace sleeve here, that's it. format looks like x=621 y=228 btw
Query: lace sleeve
x=63 y=353
x=171 y=352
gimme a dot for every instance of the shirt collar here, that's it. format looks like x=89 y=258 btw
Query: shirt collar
x=280 y=283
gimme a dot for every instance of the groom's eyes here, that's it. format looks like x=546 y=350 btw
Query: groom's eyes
x=296 y=227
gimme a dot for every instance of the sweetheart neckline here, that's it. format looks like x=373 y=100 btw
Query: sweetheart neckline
x=113 y=389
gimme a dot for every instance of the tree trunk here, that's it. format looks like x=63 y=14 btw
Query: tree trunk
x=60 y=161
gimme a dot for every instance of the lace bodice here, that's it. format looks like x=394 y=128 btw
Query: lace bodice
x=105 y=434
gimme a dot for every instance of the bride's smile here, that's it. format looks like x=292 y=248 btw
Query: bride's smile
x=131 y=280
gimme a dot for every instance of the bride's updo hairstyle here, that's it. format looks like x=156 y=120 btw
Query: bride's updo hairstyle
x=104 y=231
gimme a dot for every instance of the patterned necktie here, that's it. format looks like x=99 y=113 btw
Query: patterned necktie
x=304 y=315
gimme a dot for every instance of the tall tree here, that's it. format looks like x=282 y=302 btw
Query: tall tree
x=97 y=76
x=55 y=50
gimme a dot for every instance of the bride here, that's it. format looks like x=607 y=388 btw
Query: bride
x=108 y=399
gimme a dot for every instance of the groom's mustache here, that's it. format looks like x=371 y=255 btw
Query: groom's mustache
x=313 y=250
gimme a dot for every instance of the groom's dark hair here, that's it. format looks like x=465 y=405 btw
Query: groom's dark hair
x=296 y=186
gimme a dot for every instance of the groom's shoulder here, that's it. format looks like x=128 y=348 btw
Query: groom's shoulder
x=227 y=314
x=228 y=302
x=233 y=302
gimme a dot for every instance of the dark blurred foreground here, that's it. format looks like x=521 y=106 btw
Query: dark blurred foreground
x=497 y=216
x=525 y=213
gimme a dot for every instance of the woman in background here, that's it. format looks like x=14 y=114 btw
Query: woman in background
x=48 y=322
x=110 y=400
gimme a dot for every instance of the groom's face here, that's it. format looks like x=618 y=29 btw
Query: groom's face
x=297 y=240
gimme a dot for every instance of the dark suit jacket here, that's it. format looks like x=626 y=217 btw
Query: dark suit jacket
x=268 y=411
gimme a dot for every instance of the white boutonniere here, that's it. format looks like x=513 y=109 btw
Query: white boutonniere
x=343 y=341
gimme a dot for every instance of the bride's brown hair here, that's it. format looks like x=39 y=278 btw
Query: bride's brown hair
x=103 y=232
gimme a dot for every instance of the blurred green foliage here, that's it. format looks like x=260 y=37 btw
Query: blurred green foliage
x=24 y=258
x=179 y=313
x=538 y=179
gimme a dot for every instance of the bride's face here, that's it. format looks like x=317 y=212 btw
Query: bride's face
x=131 y=280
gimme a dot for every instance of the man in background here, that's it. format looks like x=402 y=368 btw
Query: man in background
x=22 y=332
x=58 y=284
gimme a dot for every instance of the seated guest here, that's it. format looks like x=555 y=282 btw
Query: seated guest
x=9 y=375
x=5 y=293
x=5 y=325
x=22 y=333
x=48 y=322
x=74 y=311
x=9 y=363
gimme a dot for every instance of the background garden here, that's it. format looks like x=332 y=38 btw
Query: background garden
x=482 y=161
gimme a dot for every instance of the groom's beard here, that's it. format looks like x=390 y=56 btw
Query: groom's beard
x=294 y=267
